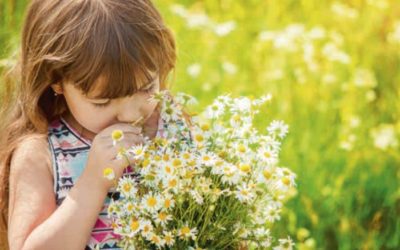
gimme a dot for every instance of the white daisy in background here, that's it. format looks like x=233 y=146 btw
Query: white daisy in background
x=278 y=128
x=162 y=218
x=244 y=193
x=167 y=202
x=266 y=175
x=185 y=232
x=286 y=178
x=236 y=120
x=215 y=110
x=230 y=174
x=147 y=228
x=194 y=70
x=136 y=152
x=171 y=183
x=263 y=99
x=169 y=238
x=150 y=202
x=272 y=214
x=127 y=187
x=134 y=226
x=130 y=208
x=268 y=155
x=171 y=112
x=156 y=240
x=229 y=68
x=196 y=196
x=285 y=244
x=241 y=105
x=225 y=28
x=207 y=158
x=185 y=99
x=270 y=143
x=262 y=233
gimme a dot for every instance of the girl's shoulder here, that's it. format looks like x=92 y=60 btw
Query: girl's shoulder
x=31 y=151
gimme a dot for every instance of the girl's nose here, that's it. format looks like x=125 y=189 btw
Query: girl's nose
x=130 y=110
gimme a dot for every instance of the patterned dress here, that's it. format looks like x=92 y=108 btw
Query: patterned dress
x=69 y=155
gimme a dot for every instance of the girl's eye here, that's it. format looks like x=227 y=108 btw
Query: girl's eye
x=101 y=105
x=148 y=89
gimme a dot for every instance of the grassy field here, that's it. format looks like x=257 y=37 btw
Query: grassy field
x=333 y=68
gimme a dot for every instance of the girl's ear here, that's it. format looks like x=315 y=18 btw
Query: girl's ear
x=57 y=88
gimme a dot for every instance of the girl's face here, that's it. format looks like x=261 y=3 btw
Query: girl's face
x=93 y=115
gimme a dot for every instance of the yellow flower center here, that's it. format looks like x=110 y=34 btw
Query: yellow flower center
x=245 y=168
x=172 y=183
x=199 y=138
x=186 y=156
x=145 y=163
x=205 y=127
x=286 y=181
x=127 y=187
x=117 y=135
x=241 y=148
x=134 y=225
x=162 y=216
x=167 y=203
x=155 y=239
x=166 y=157
x=151 y=201
x=267 y=174
x=176 y=162
x=185 y=230
x=168 y=169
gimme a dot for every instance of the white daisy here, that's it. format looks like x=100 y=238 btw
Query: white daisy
x=151 y=202
x=244 y=194
x=278 y=128
x=169 y=238
x=186 y=232
x=127 y=187
x=285 y=244
x=162 y=218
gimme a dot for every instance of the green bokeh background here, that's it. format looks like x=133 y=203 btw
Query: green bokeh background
x=333 y=68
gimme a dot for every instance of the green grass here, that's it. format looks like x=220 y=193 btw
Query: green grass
x=348 y=197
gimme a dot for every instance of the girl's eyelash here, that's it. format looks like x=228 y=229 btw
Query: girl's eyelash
x=149 y=89
x=101 y=105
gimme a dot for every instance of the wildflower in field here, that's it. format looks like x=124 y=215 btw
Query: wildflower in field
x=117 y=136
x=278 y=128
x=169 y=238
x=127 y=187
x=185 y=232
x=109 y=174
x=151 y=202
x=285 y=244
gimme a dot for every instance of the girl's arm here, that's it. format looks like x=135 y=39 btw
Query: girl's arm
x=34 y=221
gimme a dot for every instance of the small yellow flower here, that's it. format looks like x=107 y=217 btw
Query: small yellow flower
x=109 y=174
x=117 y=135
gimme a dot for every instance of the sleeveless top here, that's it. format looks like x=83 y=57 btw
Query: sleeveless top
x=69 y=153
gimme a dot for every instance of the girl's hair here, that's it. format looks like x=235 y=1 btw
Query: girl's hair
x=121 y=41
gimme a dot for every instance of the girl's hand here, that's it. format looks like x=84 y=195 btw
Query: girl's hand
x=103 y=153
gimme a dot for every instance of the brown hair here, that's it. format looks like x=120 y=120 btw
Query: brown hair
x=79 y=41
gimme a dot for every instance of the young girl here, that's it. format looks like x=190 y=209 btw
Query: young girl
x=87 y=67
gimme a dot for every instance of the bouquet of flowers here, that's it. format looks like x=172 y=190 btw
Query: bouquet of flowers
x=211 y=182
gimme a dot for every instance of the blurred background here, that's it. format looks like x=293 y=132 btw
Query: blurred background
x=333 y=68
